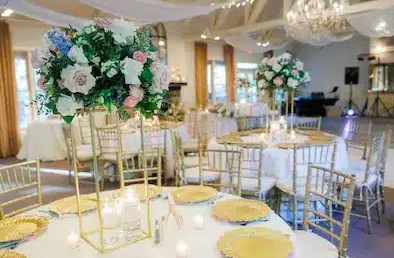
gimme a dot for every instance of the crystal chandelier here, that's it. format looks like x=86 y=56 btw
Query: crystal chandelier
x=318 y=16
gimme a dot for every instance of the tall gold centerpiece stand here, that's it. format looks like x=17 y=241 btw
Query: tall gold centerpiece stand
x=290 y=100
x=95 y=235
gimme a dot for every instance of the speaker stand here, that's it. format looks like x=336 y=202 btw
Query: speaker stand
x=374 y=110
x=351 y=104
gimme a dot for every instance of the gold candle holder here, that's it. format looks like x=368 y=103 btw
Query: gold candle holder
x=96 y=236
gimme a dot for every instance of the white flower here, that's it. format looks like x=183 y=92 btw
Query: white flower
x=67 y=105
x=123 y=31
x=299 y=65
x=276 y=67
x=268 y=75
x=262 y=84
x=265 y=60
x=78 y=78
x=109 y=68
x=131 y=70
x=161 y=78
x=96 y=60
x=38 y=57
x=307 y=77
x=286 y=56
x=76 y=54
x=293 y=83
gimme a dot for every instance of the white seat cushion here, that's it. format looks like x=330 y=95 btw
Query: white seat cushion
x=191 y=162
x=191 y=144
x=250 y=184
x=311 y=245
x=192 y=175
x=85 y=152
x=359 y=172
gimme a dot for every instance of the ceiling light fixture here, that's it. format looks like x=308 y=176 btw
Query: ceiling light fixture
x=380 y=49
x=161 y=43
x=266 y=44
x=217 y=38
x=236 y=4
x=381 y=26
x=212 y=4
x=259 y=44
x=7 y=12
x=203 y=36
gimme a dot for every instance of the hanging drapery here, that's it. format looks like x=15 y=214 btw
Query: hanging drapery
x=9 y=138
x=201 y=62
x=228 y=53
x=150 y=11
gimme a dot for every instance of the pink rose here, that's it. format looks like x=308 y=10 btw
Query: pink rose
x=136 y=95
x=102 y=22
x=295 y=73
x=41 y=82
x=278 y=81
x=272 y=61
x=140 y=57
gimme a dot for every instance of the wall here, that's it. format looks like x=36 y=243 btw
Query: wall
x=27 y=34
x=327 y=65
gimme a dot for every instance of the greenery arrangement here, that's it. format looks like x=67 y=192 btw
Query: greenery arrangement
x=107 y=64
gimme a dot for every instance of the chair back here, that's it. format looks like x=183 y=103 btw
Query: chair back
x=308 y=123
x=386 y=146
x=248 y=123
x=252 y=161
x=226 y=162
x=155 y=137
x=331 y=188
x=374 y=159
x=109 y=141
x=322 y=155
x=19 y=183
x=178 y=154
x=131 y=166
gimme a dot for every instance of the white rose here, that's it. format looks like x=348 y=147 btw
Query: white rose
x=67 y=105
x=109 y=68
x=96 y=60
x=161 y=78
x=292 y=83
x=76 y=54
x=277 y=67
x=265 y=60
x=123 y=31
x=38 y=57
x=286 y=56
x=299 y=65
x=131 y=70
x=268 y=75
x=78 y=78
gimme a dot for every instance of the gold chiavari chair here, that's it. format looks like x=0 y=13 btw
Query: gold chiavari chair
x=84 y=153
x=383 y=169
x=368 y=181
x=219 y=162
x=332 y=188
x=254 y=183
x=20 y=180
x=84 y=128
x=304 y=155
x=308 y=123
x=248 y=123
x=181 y=163
x=358 y=135
x=206 y=130
x=131 y=170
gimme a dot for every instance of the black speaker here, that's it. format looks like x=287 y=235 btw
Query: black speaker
x=351 y=75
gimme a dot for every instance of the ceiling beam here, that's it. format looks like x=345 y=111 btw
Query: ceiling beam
x=257 y=10
x=374 y=5
x=222 y=17
x=247 y=12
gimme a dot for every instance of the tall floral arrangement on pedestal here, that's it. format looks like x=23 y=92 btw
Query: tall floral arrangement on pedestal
x=281 y=73
x=242 y=82
x=107 y=64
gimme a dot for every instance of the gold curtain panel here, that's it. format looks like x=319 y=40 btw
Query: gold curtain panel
x=201 y=64
x=228 y=53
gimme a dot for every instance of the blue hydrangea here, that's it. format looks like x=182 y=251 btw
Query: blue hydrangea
x=60 y=40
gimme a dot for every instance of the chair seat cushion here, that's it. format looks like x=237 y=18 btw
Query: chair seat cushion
x=85 y=152
x=311 y=245
x=359 y=172
x=192 y=175
x=191 y=162
x=251 y=184
x=191 y=145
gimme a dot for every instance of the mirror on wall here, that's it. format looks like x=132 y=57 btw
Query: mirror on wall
x=381 y=77
x=159 y=39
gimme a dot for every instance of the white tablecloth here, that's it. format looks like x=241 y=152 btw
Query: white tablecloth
x=252 y=109
x=218 y=126
x=44 y=139
x=278 y=162
x=201 y=243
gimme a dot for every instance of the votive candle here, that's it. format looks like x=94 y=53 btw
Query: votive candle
x=73 y=239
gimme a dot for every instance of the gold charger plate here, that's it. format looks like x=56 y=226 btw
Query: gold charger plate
x=322 y=137
x=193 y=194
x=240 y=210
x=20 y=227
x=69 y=205
x=10 y=254
x=285 y=145
x=139 y=190
x=309 y=132
x=255 y=242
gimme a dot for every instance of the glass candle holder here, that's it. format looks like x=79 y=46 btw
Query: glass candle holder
x=131 y=214
x=110 y=221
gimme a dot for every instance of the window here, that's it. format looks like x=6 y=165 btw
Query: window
x=216 y=82
x=25 y=78
x=246 y=70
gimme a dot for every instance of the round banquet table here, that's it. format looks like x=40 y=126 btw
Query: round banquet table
x=201 y=243
x=278 y=162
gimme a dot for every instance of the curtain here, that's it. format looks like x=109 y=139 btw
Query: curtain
x=201 y=63
x=228 y=53
x=9 y=135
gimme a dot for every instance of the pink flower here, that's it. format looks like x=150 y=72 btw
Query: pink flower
x=295 y=73
x=272 y=61
x=102 y=22
x=41 y=82
x=140 y=57
x=156 y=61
x=278 y=81
x=161 y=78
x=136 y=95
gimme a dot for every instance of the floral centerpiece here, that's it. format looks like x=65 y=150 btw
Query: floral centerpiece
x=281 y=73
x=107 y=64
x=242 y=83
x=222 y=109
x=176 y=112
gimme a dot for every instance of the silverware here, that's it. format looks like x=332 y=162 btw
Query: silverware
x=259 y=220
x=218 y=197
